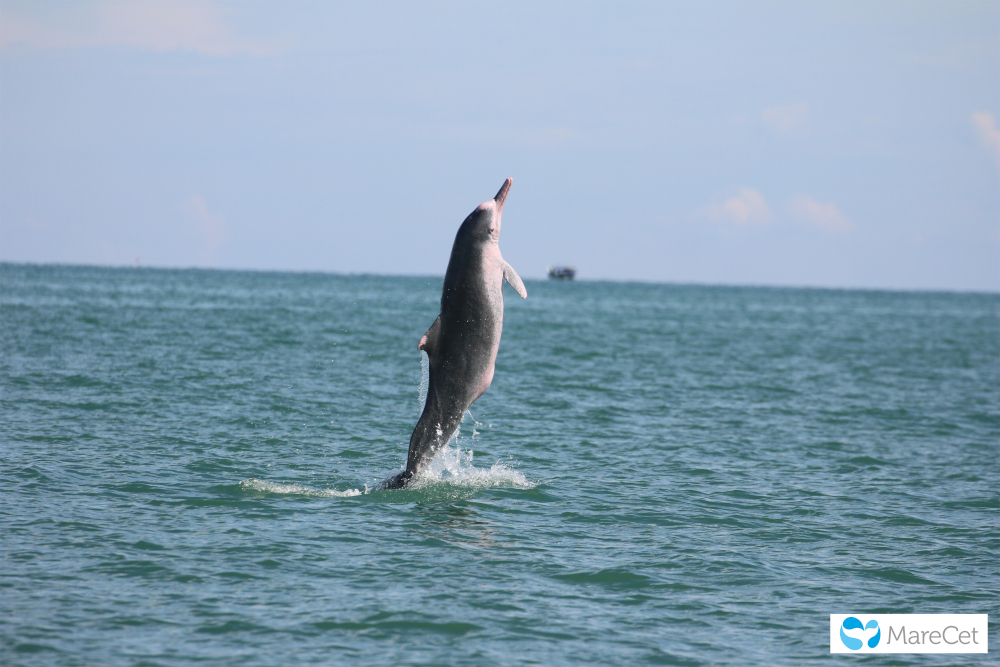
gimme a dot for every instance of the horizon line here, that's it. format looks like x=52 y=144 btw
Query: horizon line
x=679 y=283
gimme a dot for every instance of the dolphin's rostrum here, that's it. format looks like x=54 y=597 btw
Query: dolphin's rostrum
x=462 y=343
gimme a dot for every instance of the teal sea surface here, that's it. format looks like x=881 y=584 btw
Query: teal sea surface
x=660 y=474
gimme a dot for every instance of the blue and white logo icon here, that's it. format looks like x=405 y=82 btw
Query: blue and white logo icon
x=853 y=623
x=862 y=634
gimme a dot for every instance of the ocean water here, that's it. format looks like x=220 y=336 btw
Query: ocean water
x=660 y=474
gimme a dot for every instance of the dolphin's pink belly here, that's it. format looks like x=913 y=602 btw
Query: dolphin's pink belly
x=495 y=297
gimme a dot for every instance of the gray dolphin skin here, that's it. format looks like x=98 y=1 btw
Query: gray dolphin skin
x=462 y=343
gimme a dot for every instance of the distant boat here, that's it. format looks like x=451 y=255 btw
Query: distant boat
x=562 y=272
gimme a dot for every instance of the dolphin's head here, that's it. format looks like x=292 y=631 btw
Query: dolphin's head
x=483 y=224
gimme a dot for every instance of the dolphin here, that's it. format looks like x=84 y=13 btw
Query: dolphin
x=462 y=343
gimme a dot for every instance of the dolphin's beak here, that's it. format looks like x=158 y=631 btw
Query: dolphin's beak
x=502 y=195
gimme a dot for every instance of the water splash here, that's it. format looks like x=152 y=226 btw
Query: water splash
x=261 y=486
x=453 y=466
x=425 y=378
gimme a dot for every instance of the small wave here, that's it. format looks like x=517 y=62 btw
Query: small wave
x=261 y=486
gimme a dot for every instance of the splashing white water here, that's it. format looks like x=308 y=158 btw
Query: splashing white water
x=261 y=486
x=453 y=466
x=425 y=379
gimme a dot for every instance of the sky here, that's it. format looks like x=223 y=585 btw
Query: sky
x=828 y=144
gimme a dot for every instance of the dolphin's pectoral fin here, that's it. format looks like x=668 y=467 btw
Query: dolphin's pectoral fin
x=510 y=275
x=429 y=340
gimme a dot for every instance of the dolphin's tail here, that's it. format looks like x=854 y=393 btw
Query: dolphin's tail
x=428 y=438
x=397 y=481
x=426 y=442
x=434 y=429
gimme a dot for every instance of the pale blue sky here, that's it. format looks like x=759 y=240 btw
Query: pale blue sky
x=848 y=144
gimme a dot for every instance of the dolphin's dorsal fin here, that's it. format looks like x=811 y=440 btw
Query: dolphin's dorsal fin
x=510 y=275
x=429 y=340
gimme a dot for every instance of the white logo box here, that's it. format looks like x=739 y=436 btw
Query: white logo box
x=913 y=633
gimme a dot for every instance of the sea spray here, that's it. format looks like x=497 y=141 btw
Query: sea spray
x=425 y=380
x=261 y=486
x=453 y=465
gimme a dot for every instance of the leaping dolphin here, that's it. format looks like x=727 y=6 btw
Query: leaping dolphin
x=462 y=343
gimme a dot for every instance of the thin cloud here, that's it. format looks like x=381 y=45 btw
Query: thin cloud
x=745 y=208
x=211 y=228
x=788 y=119
x=986 y=128
x=820 y=215
x=154 y=25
